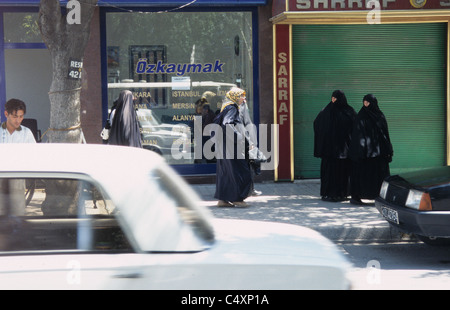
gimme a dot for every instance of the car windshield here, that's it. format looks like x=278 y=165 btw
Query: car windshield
x=159 y=202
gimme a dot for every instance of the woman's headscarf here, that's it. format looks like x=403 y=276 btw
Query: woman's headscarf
x=333 y=127
x=235 y=94
x=373 y=106
x=125 y=127
x=341 y=99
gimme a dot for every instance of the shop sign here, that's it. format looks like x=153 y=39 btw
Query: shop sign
x=283 y=101
x=280 y=6
x=75 y=67
x=144 y=67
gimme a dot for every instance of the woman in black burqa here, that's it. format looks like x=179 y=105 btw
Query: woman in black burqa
x=124 y=124
x=233 y=175
x=371 y=151
x=332 y=135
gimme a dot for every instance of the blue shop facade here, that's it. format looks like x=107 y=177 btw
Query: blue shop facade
x=173 y=55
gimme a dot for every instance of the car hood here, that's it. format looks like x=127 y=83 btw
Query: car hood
x=427 y=179
x=274 y=242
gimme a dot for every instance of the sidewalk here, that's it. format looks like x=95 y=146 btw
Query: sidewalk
x=299 y=203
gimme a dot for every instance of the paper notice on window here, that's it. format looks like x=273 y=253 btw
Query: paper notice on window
x=181 y=83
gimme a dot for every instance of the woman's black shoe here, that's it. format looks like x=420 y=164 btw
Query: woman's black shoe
x=339 y=199
x=333 y=199
x=327 y=198
x=356 y=201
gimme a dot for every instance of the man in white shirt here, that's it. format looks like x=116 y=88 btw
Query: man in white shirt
x=12 y=131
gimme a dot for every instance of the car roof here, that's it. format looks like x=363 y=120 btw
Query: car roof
x=76 y=158
x=115 y=168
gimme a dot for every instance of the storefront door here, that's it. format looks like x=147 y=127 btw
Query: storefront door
x=403 y=65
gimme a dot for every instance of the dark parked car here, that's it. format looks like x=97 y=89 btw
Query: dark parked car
x=418 y=203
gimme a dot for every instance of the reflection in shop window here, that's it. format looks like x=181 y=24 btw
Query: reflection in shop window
x=179 y=67
x=21 y=28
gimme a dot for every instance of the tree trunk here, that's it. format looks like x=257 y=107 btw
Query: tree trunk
x=66 y=42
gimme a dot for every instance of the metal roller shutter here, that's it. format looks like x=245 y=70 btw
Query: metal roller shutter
x=403 y=65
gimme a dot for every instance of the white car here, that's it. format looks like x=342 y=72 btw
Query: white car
x=108 y=217
x=162 y=138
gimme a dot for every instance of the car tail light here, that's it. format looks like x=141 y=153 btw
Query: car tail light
x=418 y=200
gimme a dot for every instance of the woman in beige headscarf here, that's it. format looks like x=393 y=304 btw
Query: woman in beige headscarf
x=233 y=176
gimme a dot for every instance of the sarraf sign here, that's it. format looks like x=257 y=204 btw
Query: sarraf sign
x=280 y=6
x=283 y=102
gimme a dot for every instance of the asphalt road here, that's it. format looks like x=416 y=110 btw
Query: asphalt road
x=382 y=257
x=398 y=266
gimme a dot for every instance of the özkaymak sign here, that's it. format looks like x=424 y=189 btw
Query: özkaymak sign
x=143 y=67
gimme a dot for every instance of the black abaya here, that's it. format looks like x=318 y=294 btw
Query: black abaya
x=125 y=128
x=371 y=151
x=233 y=175
x=332 y=136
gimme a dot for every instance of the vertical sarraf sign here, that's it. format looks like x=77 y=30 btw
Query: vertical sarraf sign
x=283 y=101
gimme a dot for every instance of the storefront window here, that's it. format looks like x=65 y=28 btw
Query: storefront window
x=170 y=61
x=21 y=28
x=27 y=61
